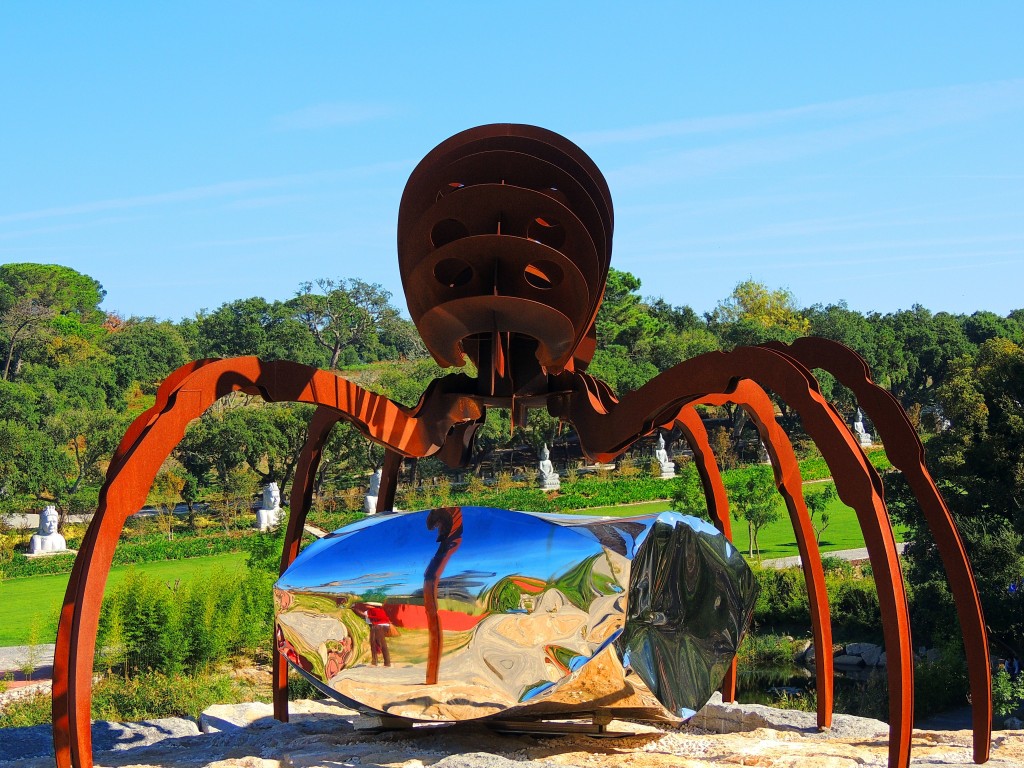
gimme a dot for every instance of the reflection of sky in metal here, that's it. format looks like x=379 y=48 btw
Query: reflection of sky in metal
x=390 y=553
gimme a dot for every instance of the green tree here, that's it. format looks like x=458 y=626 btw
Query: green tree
x=753 y=498
x=754 y=313
x=619 y=368
x=355 y=318
x=237 y=493
x=978 y=464
x=688 y=493
x=164 y=496
x=145 y=351
x=252 y=326
x=817 y=507
x=623 y=318
x=33 y=297
x=928 y=344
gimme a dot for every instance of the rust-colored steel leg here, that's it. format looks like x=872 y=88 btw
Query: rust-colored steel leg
x=716 y=498
x=415 y=432
x=60 y=695
x=320 y=427
x=787 y=478
x=605 y=435
x=388 y=481
x=904 y=449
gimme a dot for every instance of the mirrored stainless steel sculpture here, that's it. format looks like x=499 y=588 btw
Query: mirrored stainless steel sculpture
x=504 y=242
x=505 y=610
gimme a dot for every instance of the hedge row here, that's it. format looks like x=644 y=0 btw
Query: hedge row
x=128 y=554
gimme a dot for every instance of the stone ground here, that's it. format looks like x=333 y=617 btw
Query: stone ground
x=324 y=735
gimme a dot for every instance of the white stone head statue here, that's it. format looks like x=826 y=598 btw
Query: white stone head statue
x=661 y=442
x=48 y=520
x=271 y=496
x=545 y=454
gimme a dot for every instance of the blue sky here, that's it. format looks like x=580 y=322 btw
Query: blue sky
x=193 y=153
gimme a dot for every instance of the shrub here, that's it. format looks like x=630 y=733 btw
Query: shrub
x=34 y=709
x=628 y=468
x=765 y=651
x=146 y=625
x=1007 y=694
x=503 y=482
x=837 y=566
x=854 y=606
x=782 y=598
x=941 y=685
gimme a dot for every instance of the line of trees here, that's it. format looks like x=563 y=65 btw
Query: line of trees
x=72 y=376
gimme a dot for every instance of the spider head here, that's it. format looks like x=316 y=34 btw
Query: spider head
x=504 y=238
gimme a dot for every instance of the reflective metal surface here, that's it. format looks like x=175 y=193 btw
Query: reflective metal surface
x=691 y=596
x=490 y=610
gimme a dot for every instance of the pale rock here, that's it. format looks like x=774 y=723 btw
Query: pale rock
x=857 y=649
x=779 y=739
x=867 y=651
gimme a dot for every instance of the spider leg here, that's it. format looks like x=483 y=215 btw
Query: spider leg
x=905 y=451
x=320 y=426
x=716 y=498
x=150 y=440
x=786 y=469
x=858 y=485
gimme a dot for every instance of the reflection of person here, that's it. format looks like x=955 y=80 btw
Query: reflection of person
x=380 y=625
x=46 y=538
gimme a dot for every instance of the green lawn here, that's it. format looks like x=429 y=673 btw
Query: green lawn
x=38 y=598
x=777 y=540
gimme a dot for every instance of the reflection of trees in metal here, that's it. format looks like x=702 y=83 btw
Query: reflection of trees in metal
x=555 y=606
x=504 y=242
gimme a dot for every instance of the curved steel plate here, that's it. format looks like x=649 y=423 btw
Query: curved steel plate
x=492 y=610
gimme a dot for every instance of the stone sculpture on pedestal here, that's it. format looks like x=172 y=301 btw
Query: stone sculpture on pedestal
x=370 y=502
x=548 y=478
x=668 y=467
x=863 y=436
x=47 y=540
x=269 y=514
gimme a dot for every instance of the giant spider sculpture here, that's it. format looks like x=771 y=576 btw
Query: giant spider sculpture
x=504 y=239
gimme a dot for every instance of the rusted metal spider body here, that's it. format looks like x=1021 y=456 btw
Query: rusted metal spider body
x=504 y=240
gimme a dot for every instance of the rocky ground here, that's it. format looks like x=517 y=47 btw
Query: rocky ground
x=323 y=735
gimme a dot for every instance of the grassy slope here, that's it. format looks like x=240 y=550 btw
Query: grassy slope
x=776 y=540
x=38 y=598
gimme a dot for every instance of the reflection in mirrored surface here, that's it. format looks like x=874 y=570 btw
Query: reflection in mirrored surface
x=463 y=612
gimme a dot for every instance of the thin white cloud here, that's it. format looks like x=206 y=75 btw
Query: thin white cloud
x=734 y=144
x=330 y=115
x=924 y=106
x=225 y=189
